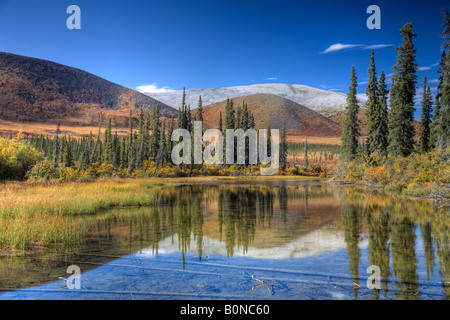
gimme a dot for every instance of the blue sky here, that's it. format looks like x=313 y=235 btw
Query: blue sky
x=171 y=44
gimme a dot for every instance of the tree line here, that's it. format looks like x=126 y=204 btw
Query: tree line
x=146 y=146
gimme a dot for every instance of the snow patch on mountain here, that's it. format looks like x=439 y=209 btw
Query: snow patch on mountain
x=325 y=102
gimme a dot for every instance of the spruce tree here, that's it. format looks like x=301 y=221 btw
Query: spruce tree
x=230 y=123
x=305 y=160
x=199 y=116
x=351 y=125
x=67 y=160
x=373 y=106
x=442 y=123
x=401 y=129
x=107 y=150
x=56 y=148
x=130 y=146
x=381 y=118
x=220 y=122
x=425 y=121
x=283 y=150
x=156 y=132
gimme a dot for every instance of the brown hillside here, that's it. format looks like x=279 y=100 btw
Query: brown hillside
x=39 y=91
x=277 y=112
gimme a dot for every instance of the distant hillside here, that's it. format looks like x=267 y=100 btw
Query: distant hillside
x=35 y=90
x=327 y=103
x=279 y=113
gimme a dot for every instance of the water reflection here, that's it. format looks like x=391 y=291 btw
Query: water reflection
x=408 y=240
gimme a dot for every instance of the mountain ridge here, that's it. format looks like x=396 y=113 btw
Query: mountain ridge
x=327 y=103
x=278 y=113
x=37 y=90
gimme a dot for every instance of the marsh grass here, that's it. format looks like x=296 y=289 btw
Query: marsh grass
x=39 y=215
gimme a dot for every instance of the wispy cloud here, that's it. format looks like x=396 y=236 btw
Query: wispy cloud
x=378 y=46
x=272 y=78
x=425 y=68
x=153 y=88
x=339 y=46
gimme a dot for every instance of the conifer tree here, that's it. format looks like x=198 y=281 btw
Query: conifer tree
x=306 y=163
x=67 y=160
x=435 y=122
x=283 y=150
x=230 y=123
x=188 y=118
x=401 y=129
x=123 y=154
x=199 y=116
x=425 y=121
x=381 y=118
x=56 y=149
x=373 y=106
x=351 y=125
x=97 y=148
x=107 y=143
x=220 y=122
x=156 y=132
x=130 y=147
x=441 y=128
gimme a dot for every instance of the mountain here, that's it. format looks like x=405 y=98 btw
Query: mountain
x=35 y=90
x=327 y=103
x=276 y=112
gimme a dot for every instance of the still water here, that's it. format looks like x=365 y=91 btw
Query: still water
x=268 y=240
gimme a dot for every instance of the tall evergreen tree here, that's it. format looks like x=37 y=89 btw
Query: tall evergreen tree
x=305 y=160
x=283 y=150
x=442 y=119
x=220 y=122
x=401 y=129
x=56 y=148
x=156 y=132
x=425 y=121
x=230 y=123
x=67 y=160
x=199 y=116
x=351 y=125
x=380 y=142
x=108 y=147
x=130 y=146
x=373 y=106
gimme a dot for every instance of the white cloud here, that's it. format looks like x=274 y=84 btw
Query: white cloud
x=378 y=46
x=153 y=88
x=272 y=78
x=427 y=67
x=339 y=47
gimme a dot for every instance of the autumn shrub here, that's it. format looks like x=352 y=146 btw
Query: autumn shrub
x=17 y=157
x=376 y=175
x=43 y=171
x=68 y=174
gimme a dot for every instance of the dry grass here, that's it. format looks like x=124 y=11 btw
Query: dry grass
x=314 y=140
x=33 y=215
x=44 y=128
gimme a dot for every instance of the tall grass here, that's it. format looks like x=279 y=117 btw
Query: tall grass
x=38 y=215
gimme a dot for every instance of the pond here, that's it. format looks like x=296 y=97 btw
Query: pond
x=269 y=240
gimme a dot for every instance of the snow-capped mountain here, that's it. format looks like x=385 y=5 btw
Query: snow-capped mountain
x=327 y=103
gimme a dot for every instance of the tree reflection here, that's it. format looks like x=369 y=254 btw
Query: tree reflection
x=351 y=224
